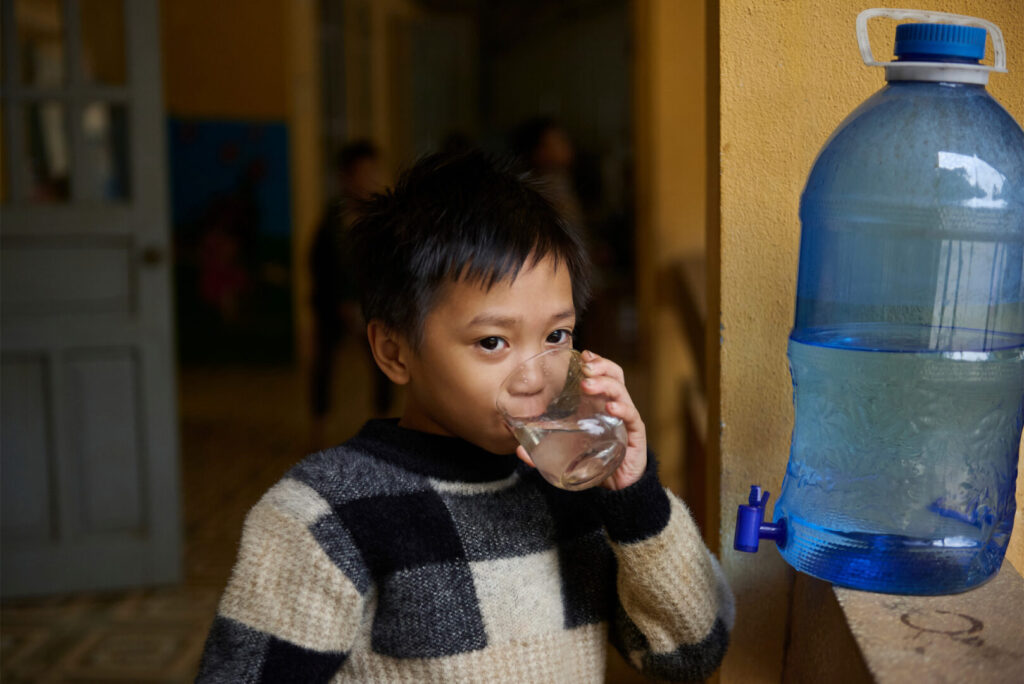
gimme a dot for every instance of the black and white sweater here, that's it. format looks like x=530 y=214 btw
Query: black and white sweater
x=402 y=556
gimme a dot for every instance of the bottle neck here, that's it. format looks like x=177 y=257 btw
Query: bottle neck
x=941 y=59
x=944 y=72
x=949 y=85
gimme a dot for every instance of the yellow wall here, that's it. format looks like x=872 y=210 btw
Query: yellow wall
x=305 y=120
x=225 y=59
x=376 y=48
x=255 y=60
x=782 y=93
x=669 y=124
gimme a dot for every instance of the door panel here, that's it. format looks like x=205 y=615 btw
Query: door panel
x=67 y=276
x=25 y=467
x=100 y=403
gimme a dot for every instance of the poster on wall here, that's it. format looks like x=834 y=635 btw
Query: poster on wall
x=231 y=215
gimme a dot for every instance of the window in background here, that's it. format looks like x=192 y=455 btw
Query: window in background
x=102 y=44
x=40 y=31
x=104 y=151
x=65 y=102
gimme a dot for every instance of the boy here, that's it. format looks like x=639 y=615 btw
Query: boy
x=423 y=549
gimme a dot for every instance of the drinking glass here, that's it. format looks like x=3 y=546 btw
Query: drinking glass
x=568 y=434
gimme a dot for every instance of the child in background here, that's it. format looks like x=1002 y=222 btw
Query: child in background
x=335 y=305
x=422 y=549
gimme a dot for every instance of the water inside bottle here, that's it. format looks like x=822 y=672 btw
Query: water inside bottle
x=902 y=468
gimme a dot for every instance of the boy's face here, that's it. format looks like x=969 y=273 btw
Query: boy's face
x=473 y=339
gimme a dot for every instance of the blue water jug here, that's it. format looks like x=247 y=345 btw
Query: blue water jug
x=907 y=352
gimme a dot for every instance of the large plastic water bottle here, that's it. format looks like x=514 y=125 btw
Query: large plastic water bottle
x=907 y=353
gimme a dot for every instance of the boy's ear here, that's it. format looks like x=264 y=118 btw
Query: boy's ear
x=390 y=351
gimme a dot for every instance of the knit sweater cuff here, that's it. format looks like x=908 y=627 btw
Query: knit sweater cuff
x=637 y=512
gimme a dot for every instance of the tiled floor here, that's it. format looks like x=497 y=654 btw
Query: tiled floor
x=240 y=430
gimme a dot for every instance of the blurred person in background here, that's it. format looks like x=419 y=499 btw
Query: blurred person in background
x=544 y=147
x=335 y=305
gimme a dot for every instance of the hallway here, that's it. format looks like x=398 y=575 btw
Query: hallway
x=241 y=429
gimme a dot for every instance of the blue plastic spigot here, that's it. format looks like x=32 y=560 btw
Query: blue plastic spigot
x=750 y=524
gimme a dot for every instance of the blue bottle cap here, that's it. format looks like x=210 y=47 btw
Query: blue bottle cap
x=939 y=43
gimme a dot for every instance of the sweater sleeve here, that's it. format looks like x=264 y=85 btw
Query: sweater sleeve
x=293 y=605
x=674 y=609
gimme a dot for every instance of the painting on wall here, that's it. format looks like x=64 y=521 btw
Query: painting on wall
x=231 y=214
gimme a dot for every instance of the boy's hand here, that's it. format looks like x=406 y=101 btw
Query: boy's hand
x=605 y=377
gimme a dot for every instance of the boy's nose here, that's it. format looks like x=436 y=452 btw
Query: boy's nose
x=527 y=381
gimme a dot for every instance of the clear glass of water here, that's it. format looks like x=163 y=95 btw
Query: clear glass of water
x=568 y=434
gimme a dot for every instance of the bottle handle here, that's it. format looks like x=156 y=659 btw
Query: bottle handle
x=864 y=42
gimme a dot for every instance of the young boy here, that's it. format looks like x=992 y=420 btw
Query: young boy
x=422 y=549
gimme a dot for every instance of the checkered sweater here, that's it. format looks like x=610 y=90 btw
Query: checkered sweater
x=401 y=556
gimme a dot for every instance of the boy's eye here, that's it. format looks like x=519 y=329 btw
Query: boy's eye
x=559 y=337
x=491 y=343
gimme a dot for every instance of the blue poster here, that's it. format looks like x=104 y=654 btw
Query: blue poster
x=231 y=217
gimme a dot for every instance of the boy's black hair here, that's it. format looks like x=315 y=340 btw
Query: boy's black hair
x=452 y=217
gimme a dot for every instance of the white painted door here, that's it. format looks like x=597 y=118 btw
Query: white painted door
x=88 y=455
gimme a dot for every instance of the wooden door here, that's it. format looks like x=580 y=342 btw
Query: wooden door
x=88 y=455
